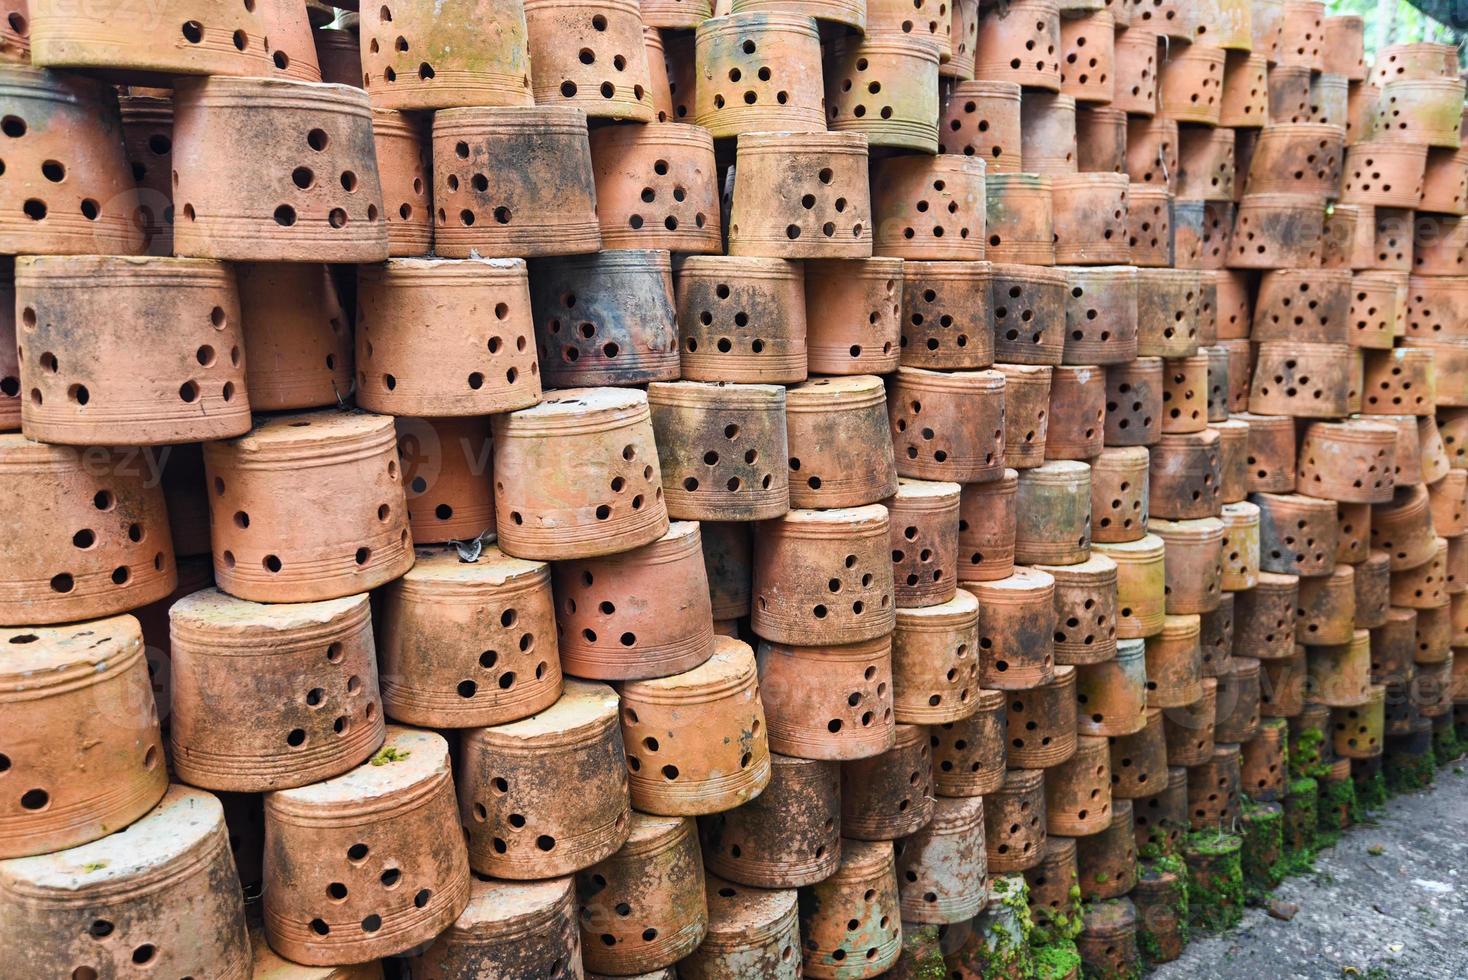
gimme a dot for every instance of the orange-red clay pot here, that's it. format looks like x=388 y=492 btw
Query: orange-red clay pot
x=1149 y=226
x=924 y=535
x=743 y=319
x=852 y=314
x=930 y=208
x=1347 y=461
x=1026 y=413
x=968 y=755
x=613 y=82
x=1016 y=630
x=1141 y=585
x=230 y=41
x=935 y=662
x=656 y=187
x=1384 y=174
x=1078 y=792
x=828 y=170
x=508 y=927
x=147 y=132
x=1090 y=212
x=1152 y=151
x=1119 y=494
x=947 y=426
x=1087 y=65
x=1020 y=42
x=1301 y=379
x=1111 y=697
x=1136 y=71
x=1029 y=314
x=904 y=67
x=863 y=890
x=1077 y=413
x=829 y=702
x=297 y=337
x=947 y=315
x=1021 y=221
x=987 y=528
x=1277 y=231
x=840 y=450
x=1101 y=134
x=1134 y=402
x=787 y=836
x=403 y=168
x=982 y=119
x=1244 y=101
x=1101 y=315
x=759 y=71
x=465 y=53
x=1190 y=84
x=1195 y=564
x=1014 y=820
x=1042 y=722
x=1048 y=133
x=890 y=795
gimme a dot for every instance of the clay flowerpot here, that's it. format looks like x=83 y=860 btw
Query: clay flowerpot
x=97 y=682
x=1297 y=534
x=265 y=549
x=92 y=536
x=321 y=199
x=1385 y=174
x=744 y=319
x=1309 y=305
x=1277 y=231
x=1240 y=546
x=1233 y=459
x=147 y=132
x=1185 y=395
x=1101 y=315
x=344 y=838
x=904 y=67
x=863 y=889
x=1438 y=248
x=1358 y=732
x=1090 y=213
x=722 y=449
x=1303 y=380
x=931 y=643
x=1419 y=111
x=929 y=208
x=494 y=612
x=1087 y=66
x=1016 y=629
x=1271 y=449
x=1134 y=402
x=1245 y=96
x=1136 y=71
x=830 y=169
x=982 y=119
x=338 y=54
x=852 y=316
x=1194 y=572
x=1042 y=723
x=787 y=836
x=924 y=525
x=403 y=170
x=948 y=426
x=942 y=868
x=1078 y=792
x=986 y=529
x=656 y=187
x=1149 y=226
x=178 y=853
x=759 y=71
x=748 y=928
x=947 y=315
x=1021 y=221
x=1048 y=133
x=1205 y=164
x=1354 y=545
x=560 y=34
x=1399 y=381
x=1297 y=159
x=515 y=776
x=1112 y=696
x=1152 y=151
x=1445 y=181
x=1014 y=820
x=1077 y=413
x=1101 y=140
x=463 y=53
x=1029 y=314
x=1108 y=860
x=1190 y=84
x=889 y=795
x=490 y=187
x=840 y=447
x=508 y=926
x=1344 y=47
x=968 y=755
x=1330 y=99
x=1189 y=729
x=296 y=335
x=1264 y=618
x=1119 y=494
x=1347 y=461
x=1167 y=312
x=1020 y=43
x=1053 y=511
x=1375 y=310
x=229 y=41
x=829 y=702
x=1026 y=414
x=447 y=478
x=963 y=41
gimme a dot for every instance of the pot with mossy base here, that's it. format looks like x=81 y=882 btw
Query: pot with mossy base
x=998 y=944
x=921 y=957
x=1059 y=960
x=1108 y=944
x=1300 y=821
x=1336 y=808
x=1447 y=741
x=1409 y=762
x=1216 y=880
x=1370 y=783
x=1263 y=853
x=1161 y=901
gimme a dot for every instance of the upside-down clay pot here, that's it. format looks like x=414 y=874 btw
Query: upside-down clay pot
x=982 y=119
x=929 y=207
x=1026 y=414
x=1423 y=587
x=1245 y=96
x=128 y=890
x=722 y=450
x=495 y=613
x=610 y=84
x=1021 y=221
x=463 y=53
x=1403 y=528
x=1238 y=702
x=1020 y=42
x=948 y=426
x=1302 y=35
x=1438 y=249
x=1213 y=789
x=1277 y=231
x=924 y=525
x=490 y=187
x=268 y=548
x=1301 y=379
x=1141 y=585
x=1354 y=545
x=1149 y=226
x=401 y=143
x=904 y=70
x=1185 y=394
x=1444 y=181
x=947 y=315
x=1014 y=820
x=1399 y=381
x=1194 y=572
x=338 y=53
x=297 y=337
x=1016 y=629
x=81 y=694
x=1311 y=305
x=147 y=133
x=333 y=846
x=890 y=795
x=1048 y=133
x=862 y=890
x=1330 y=99
x=1375 y=310
x=1134 y=402
x=562 y=506
x=1233 y=311
x=1347 y=461
x=749 y=928
x=828 y=169
x=1168 y=303
x=830 y=702
x=1101 y=315
x=1087 y=64
x=969 y=755
x=1152 y=151
x=963 y=41
x=1384 y=174
x=1271 y=449
x=1101 y=139
x=414 y=315
x=1136 y=71
x=1111 y=696
x=744 y=320
x=1053 y=514
x=840 y=447
x=1297 y=159
x=656 y=187
x=1233 y=459
x=1029 y=314
x=515 y=777
x=1107 y=861
x=320 y=198
x=1420 y=111
x=1090 y=213
x=1189 y=729
x=942 y=869
x=508 y=927
x=1042 y=722
x=1282 y=685
x=1263 y=768
x=1205 y=165
x=92 y=536
x=1240 y=546
x=759 y=71
x=1077 y=413
x=786 y=837
x=1078 y=791
x=447 y=478
x=1190 y=84
x=209 y=40
x=1119 y=494
x=189 y=380
x=987 y=528
x=1297 y=534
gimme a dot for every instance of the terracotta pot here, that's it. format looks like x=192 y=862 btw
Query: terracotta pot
x=1344 y=47
x=1202 y=233
x=403 y=169
x=831 y=168
x=911 y=195
x=418 y=59
x=1088 y=57
x=1205 y=165
x=1308 y=305
x=679 y=64
x=1134 y=402
x=987 y=528
x=1387 y=174
x=1423 y=587
x=1302 y=35
x=1330 y=100
x=1091 y=219
x=1168 y=17
x=1026 y=414
x=1301 y=159
x=543 y=511
x=1139 y=761
x=1112 y=696
x=759 y=71
x=1053 y=508
x=1140 y=585
x=1264 y=771
x=1374 y=308
x=676 y=14
x=920 y=18
x=864 y=888
x=840 y=450
x=1450 y=357
x=1016 y=628
x=744 y=319
x=15 y=34
x=1282 y=685
x=1400 y=380
x=1020 y=43
x=1238 y=702
x=651 y=629
x=177 y=853
x=1435 y=633
x=748 y=928
x=1347 y=461
x=1361 y=101
x=1152 y=151
x=612 y=31
x=327 y=834
x=924 y=537
x=233 y=42
x=1447 y=499
x=982 y=119
x=1434 y=684
x=1042 y=723
x=327 y=193
x=656 y=187
x=1190 y=84
x=1304 y=380
x=447 y=478
x=1101 y=134
x=1029 y=314
x=786 y=837
x=969 y=754
x=1439 y=245
x=1274 y=231
x=1245 y=97
x=848 y=548
x=108 y=508
x=1101 y=315
x=1194 y=573
x=1419 y=60
x=934 y=662
x=1014 y=818
x=514 y=213
x=1340 y=675
x=1108 y=860
x=1159 y=898
x=1271 y=450
x=658 y=873
x=905 y=67
x=1267 y=23
x=147 y=132
x=1077 y=411
x=1189 y=729
x=1136 y=71
x=338 y=54
x=948 y=426
x=947 y=315
x=1233 y=312
x=728 y=563
x=1297 y=534
x=853 y=314
x=73 y=133
x=92 y=697
x=1167 y=312
x=1419 y=111
x=1213 y=789
x=1264 y=620
x=1119 y=494
x=1078 y=795
x=1354 y=544
x=1108 y=941
x=1020 y=219
x=1149 y=226
x=1185 y=394
x=1403 y=528
x=1240 y=546
x=284 y=734
x=890 y=795
x=1233 y=459
x=1445 y=181
x=296 y=336
x=508 y=926
x=1386 y=239
x=1219 y=389
x=1048 y=133
x=964 y=41
x=1174 y=663
x=1184 y=476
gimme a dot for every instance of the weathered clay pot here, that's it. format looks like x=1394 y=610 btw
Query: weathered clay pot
x=1303 y=305
x=840 y=450
x=759 y=71
x=656 y=187
x=1420 y=111
x=1444 y=181
x=1219 y=389
x=560 y=34
x=1090 y=214
x=1168 y=17
x=1134 y=402
x=1264 y=618
x=929 y=208
x=560 y=509
x=1167 y=312
x=743 y=319
x=942 y=868
x=1136 y=71
x=1152 y=151
x=676 y=14
x=1042 y=722
x=524 y=768
x=1297 y=159
x=1119 y=494
x=447 y=478
x=10 y=402
x=963 y=42
x=1399 y=381
x=863 y=889
x=464 y=53
x=401 y=144
x=924 y=535
x=1385 y=239
x=1245 y=98
x=79 y=695
x=1267 y=24
x=1238 y=702
x=1111 y=696
x=1375 y=311
x=1233 y=459
x=93 y=536
x=1240 y=546
x=1330 y=99
x=338 y=52
x=1087 y=63
x=1436 y=631
x=1077 y=413
x=889 y=795
x=905 y=69
x=1053 y=508
x=123 y=890
x=1403 y=528
x=1297 y=534
x=948 y=426
x=1185 y=476
x=1384 y=173
x=1195 y=564
x=296 y=336
x=982 y=119
x=1016 y=628
x=1347 y=461
x=1447 y=499
x=1048 y=133
x=327 y=835
x=1190 y=84
x=1107 y=861
x=1175 y=663
x=1149 y=226
x=749 y=928
x=1020 y=220
x=827 y=168
x=1029 y=314
x=1078 y=791
x=1189 y=729
x=1423 y=587
x=490 y=190
x=1141 y=585
x=1205 y=165
x=1020 y=42
x=1354 y=543
x=321 y=198
x=1213 y=789
x=1420 y=60
x=1344 y=47
x=1101 y=315
x=969 y=755
x=231 y=41
x=1302 y=35
x=824 y=577
x=508 y=927
x=1185 y=396
x=1277 y=231
x=935 y=662
x=1271 y=453
x=1101 y=134
x=1301 y=379
x=1139 y=760
x=1014 y=818
x=658 y=875
x=1108 y=942
x=728 y=561
x=147 y=132
x=285 y=735
x=1282 y=685
x=947 y=315
x=853 y=315
x=1340 y=675
x=1438 y=249
x=986 y=529
x=786 y=837
x=1026 y=413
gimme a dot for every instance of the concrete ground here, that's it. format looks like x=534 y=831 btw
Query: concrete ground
x=1389 y=902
